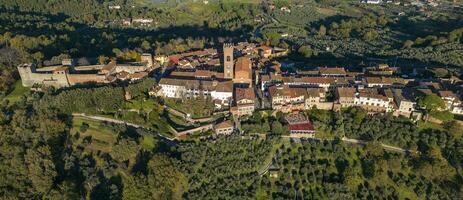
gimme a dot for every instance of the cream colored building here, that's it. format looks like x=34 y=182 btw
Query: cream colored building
x=404 y=101
x=346 y=96
x=287 y=99
x=244 y=102
x=316 y=98
x=224 y=128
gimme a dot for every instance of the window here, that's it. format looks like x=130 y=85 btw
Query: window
x=228 y=59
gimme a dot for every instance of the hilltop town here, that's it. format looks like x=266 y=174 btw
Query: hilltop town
x=231 y=99
x=239 y=79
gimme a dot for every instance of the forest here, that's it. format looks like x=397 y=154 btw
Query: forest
x=47 y=153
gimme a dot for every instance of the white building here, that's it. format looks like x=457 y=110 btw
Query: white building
x=371 y=1
x=370 y=99
x=181 y=88
x=405 y=102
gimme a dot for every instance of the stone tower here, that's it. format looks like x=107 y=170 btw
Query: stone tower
x=147 y=58
x=228 y=64
x=26 y=72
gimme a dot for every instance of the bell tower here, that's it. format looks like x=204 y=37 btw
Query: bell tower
x=228 y=64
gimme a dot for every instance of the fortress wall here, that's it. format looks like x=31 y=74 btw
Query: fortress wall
x=29 y=77
x=88 y=67
x=130 y=69
x=86 y=78
x=56 y=80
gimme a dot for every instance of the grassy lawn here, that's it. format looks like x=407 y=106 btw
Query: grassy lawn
x=324 y=135
x=18 y=91
x=148 y=142
x=444 y=115
x=429 y=125
x=141 y=104
x=197 y=108
x=103 y=137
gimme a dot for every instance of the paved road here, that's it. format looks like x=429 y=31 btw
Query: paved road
x=385 y=146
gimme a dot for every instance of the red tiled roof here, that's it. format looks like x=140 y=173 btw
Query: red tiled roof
x=244 y=93
x=203 y=73
x=243 y=64
x=332 y=70
x=224 y=124
x=174 y=59
x=446 y=93
x=305 y=126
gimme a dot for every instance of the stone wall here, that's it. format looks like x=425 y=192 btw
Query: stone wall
x=29 y=77
x=86 y=78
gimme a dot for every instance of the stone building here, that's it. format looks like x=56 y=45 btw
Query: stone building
x=345 y=96
x=286 y=99
x=228 y=62
x=224 y=128
x=243 y=72
x=405 y=102
x=316 y=97
x=244 y=102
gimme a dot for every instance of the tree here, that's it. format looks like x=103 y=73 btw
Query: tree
x=454 y=128
x=407 y=44
x=432 y=103
x=322 y=30
x=145 y=45
x=370 y=35
x=83 y=128
x=42 y=170
x=305 y=51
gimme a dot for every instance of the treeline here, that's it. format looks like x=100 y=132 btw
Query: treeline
x=364 y=27
x=331 y=170
x=265 y=123
x=221 y=170
x=41 y=159
x=107 y=99
x=434 y=40
x=401 y=132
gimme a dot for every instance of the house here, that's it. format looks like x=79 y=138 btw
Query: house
x=371 y=1
x=300 y=126
x=224 y=128
x=270 y=79
x=385 y=82
x=346 y=96
x=316 y=97
x=287 y=99
x=319 y=82
x=243 y=71
x=374 y=100
x=244 y=102
x=264 y=51
x=405 y=101
x=285 y=9
x=115 y=7
x=451 y=99
x=381 y=70
x=332 y=71
x=187 y=88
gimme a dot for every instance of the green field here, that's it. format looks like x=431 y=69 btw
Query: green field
x=103 y=137
x=17 y=92
x=429 y=125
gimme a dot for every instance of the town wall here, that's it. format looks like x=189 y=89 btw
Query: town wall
x=29 y=77
x=86 y=78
